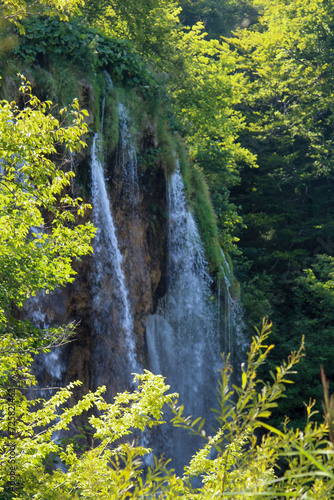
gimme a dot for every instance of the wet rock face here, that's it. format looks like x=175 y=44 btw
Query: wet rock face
x=142 y=243
x=98 y=355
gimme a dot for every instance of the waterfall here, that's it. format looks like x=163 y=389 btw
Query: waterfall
x=229 y=306
x=182 y=339
x=106 y=242
x=128 y=159
x=120 y=264
x=114 y=296
x=49 y=368
x=234 y=332
x=109 y=87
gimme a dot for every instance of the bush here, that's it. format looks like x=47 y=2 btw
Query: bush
x=49 y=38
x=243 y=466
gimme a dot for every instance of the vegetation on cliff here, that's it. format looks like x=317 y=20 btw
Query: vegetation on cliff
x=187 y=73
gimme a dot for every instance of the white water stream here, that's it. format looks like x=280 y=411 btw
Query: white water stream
x=234 y=331
x=182 y=338
x=106 y=240
x=128 y=158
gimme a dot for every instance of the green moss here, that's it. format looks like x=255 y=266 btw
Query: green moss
x=199 y=198
x=206 y=217
x=10 y=81
x=167 y=146
x=47 y=85
x=95 y=91
x=65 y=86
x=9 y=89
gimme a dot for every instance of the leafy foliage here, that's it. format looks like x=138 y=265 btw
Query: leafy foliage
x=51 y=38
x=40 y=235
x=285 y=88
x=242 y=467
x=219 y=17
x=110 y=467
x=16 y=10
x=271 y=85
x=286 y=99
x=152 y=25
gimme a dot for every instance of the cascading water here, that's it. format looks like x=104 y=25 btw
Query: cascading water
x=106 y=243
x=182 y=337
x=229 y=306
x=234 y=331
x=128 y=205
x=128 y=159
x=119 y=263
x=50 y=368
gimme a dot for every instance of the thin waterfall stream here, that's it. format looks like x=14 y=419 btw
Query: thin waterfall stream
x=114 y=310
x=229 y=306
x=234 y=331
x=128 y=159
x=106 y=240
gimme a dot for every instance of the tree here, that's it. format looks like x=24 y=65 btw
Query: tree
x=286 y=80
x=39 y=231
x=111 y=468
x=16 y=10
x=286 y=101
x=219 y=17
x=151 y=26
